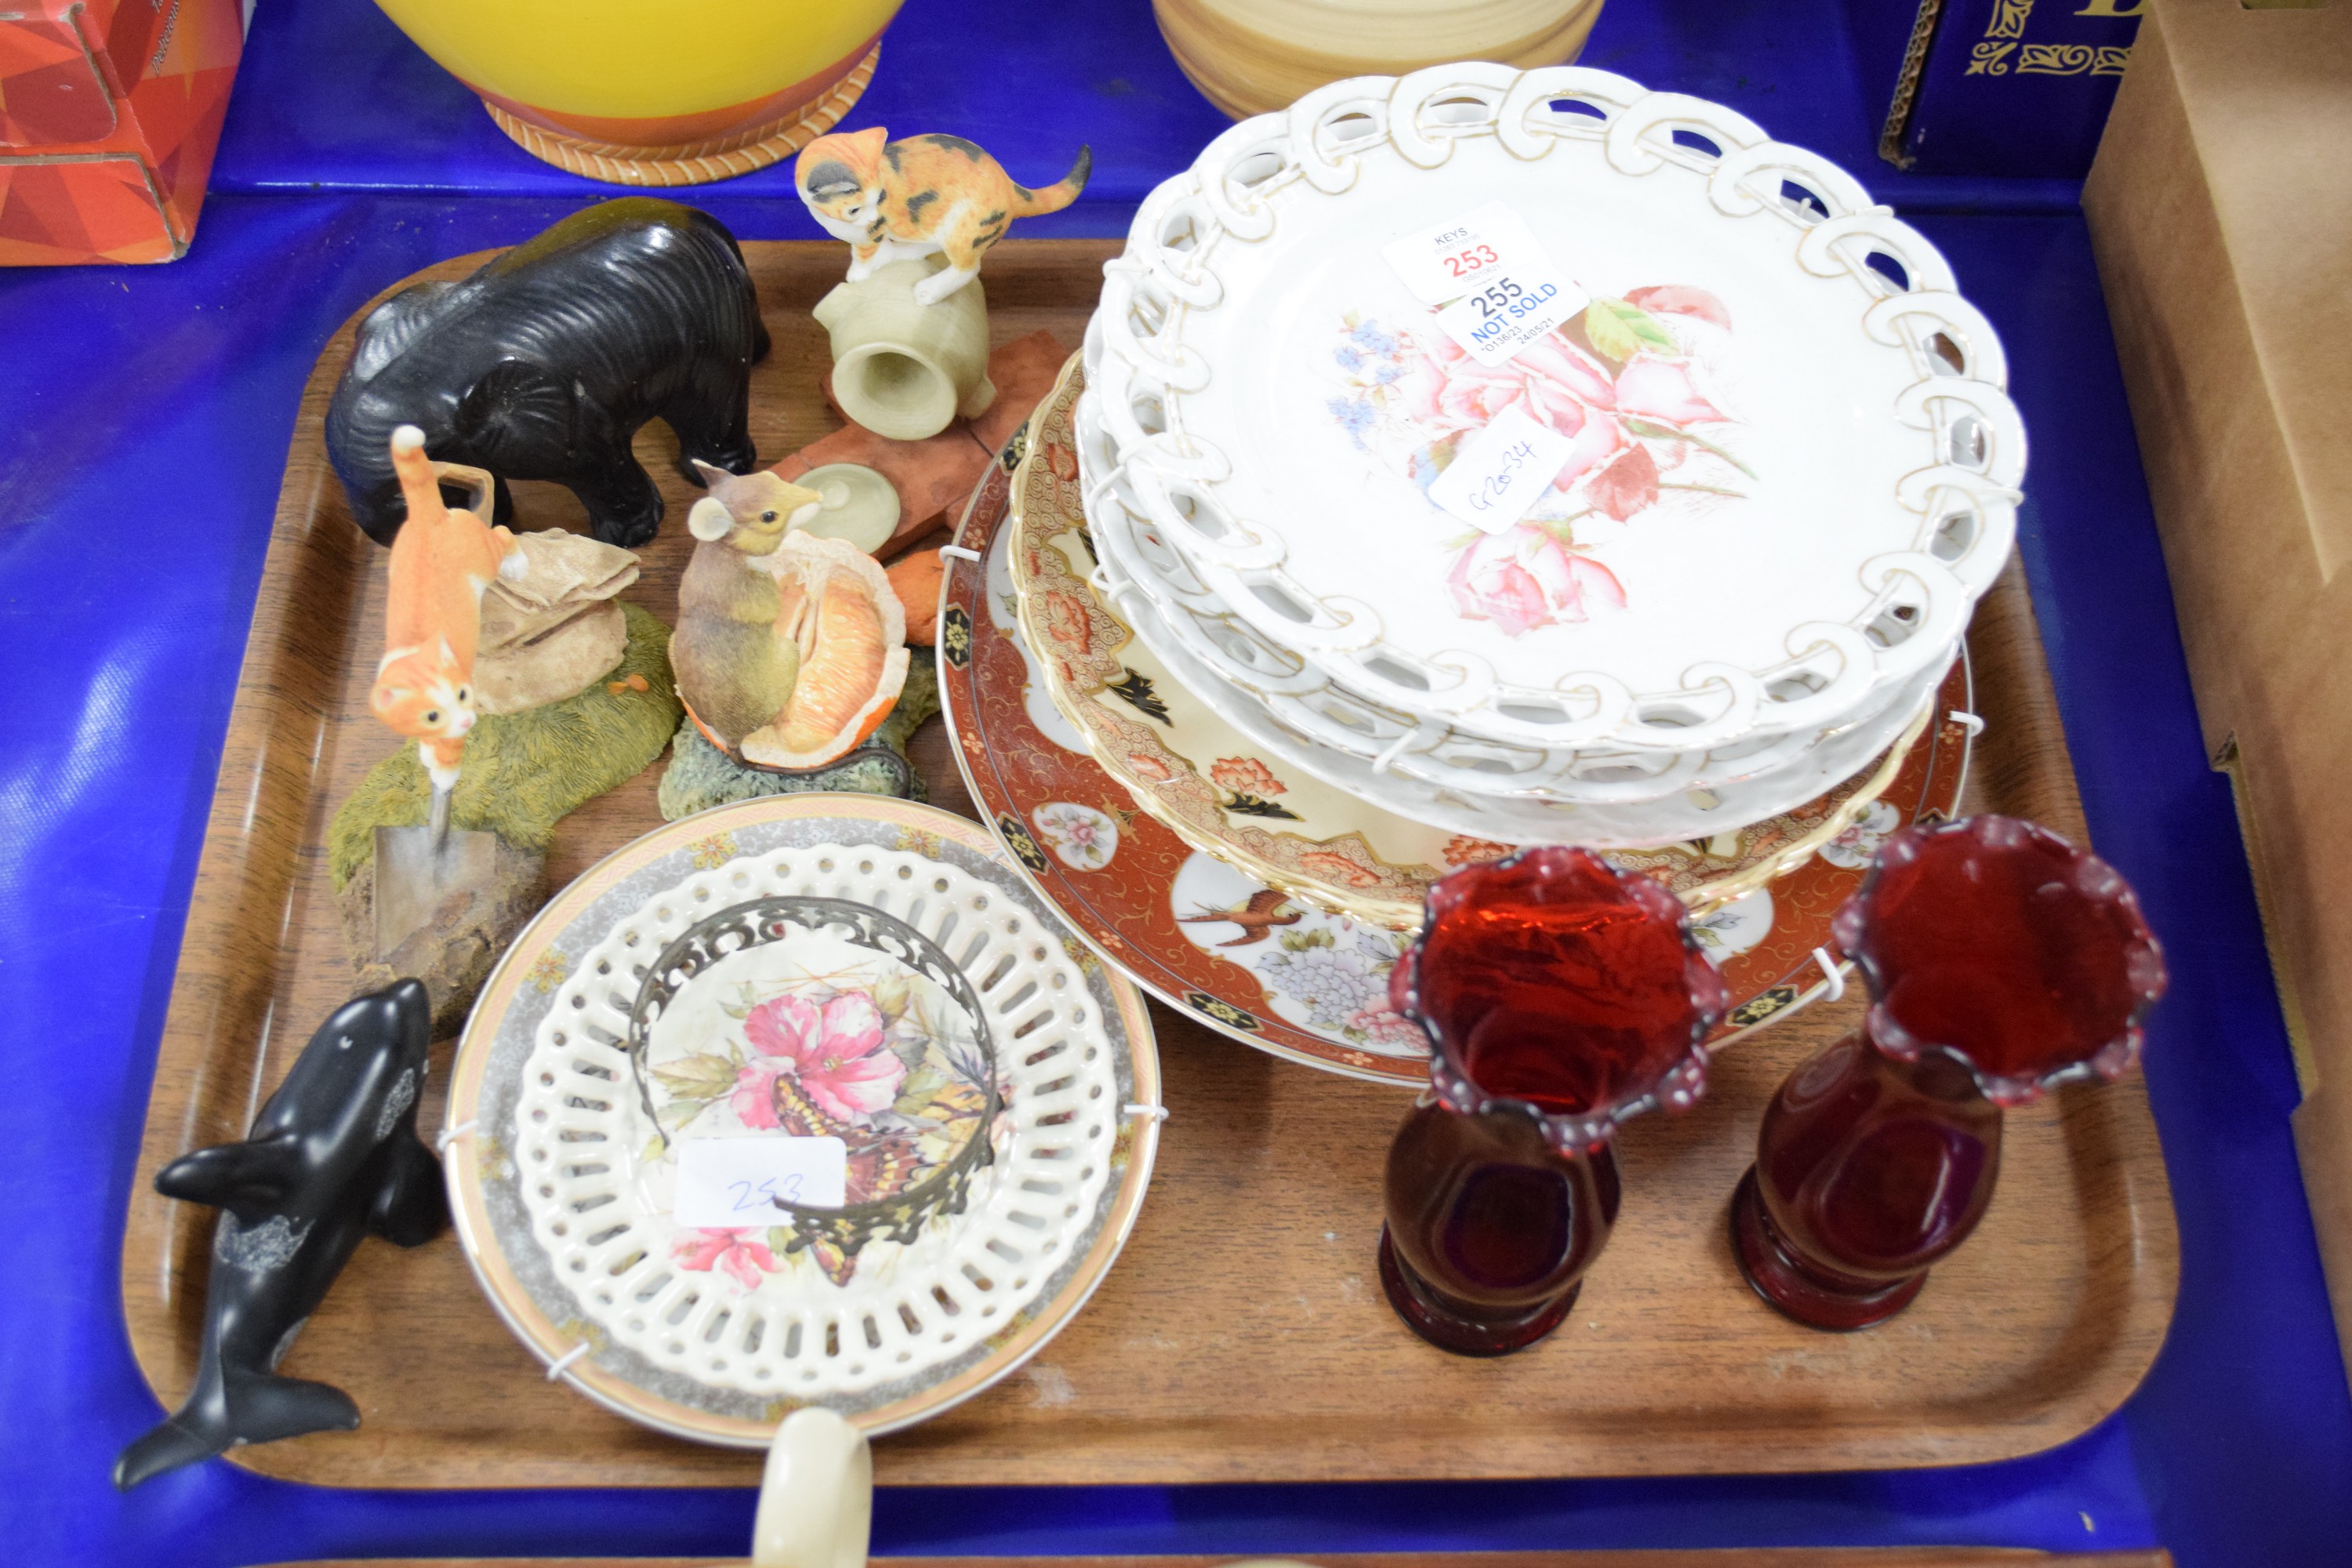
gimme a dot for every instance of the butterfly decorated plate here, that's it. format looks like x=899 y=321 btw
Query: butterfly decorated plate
x=1249 y=957
x=994 y=1187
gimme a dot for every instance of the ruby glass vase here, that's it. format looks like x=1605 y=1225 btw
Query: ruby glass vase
x=1559 y=997
x=2002 y=962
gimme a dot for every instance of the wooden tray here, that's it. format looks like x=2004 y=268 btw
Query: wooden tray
x=1726 y=1557
x=1242 y=1335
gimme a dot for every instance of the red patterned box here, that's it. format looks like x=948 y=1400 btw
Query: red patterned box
x=109 y=111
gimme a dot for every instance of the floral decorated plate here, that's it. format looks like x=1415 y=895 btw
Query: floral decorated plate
x=1614 y=799
x=841 y=969
x=1417 y=764
x=1335 y=844
x=1784 y=463
x=1251 y=958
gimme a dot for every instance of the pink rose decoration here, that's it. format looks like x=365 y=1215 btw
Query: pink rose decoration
x=837 y=1054
x=1628 y=484
x=745 y=1262
x=1681 y=300
x=1523 y=578
x=1447 y=389
x=1559 y=367
x=1599 y=440
x=1662 y=389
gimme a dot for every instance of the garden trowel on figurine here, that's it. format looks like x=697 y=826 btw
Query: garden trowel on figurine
x=443 y=560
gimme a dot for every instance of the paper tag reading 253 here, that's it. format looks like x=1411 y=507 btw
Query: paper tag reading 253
x=1506 y=292
x=1502 y=470
x=734 y=1182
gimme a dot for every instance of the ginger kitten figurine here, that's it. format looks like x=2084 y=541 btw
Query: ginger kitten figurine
x=897 y=200
x=442 y=562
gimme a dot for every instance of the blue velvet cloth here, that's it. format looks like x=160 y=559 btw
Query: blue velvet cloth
x=144 y=415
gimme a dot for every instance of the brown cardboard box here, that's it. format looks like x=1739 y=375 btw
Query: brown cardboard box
x=2221 y=206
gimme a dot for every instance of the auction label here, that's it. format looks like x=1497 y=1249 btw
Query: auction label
x=1499 y=287
x=1501 y=471
x=735 y=1183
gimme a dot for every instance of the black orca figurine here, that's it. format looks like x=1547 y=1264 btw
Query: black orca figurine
x=335 y=1155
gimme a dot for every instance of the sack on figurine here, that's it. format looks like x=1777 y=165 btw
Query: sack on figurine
x=549 y=633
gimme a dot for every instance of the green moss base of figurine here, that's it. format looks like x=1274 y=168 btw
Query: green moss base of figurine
x=524 y=773
x=701 y=776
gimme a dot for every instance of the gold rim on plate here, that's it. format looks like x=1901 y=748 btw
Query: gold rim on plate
x=471 y=1148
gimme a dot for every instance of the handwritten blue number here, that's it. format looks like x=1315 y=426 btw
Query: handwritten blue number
x=765 y=1195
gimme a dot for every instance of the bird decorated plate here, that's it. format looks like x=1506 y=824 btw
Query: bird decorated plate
x=823 y=980
x=1244 y=953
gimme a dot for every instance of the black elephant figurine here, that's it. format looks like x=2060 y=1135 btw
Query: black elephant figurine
x=333 y=1156
x=544 y=362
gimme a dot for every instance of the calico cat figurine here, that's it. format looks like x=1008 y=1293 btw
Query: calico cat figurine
x=442 y=562
x=895 y=200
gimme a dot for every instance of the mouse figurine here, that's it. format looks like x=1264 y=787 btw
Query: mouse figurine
x=898 y=201
x=543 y=364
x=738 y=666
x=332 y=1156
x=791 y=647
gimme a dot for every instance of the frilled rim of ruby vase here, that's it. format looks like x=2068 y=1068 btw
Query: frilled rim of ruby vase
x=2142 y=957
x=1589 y=1131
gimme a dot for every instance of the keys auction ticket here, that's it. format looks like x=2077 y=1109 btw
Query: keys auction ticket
x=1499 y=288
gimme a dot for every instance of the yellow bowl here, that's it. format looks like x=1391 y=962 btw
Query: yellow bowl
x=656 y=92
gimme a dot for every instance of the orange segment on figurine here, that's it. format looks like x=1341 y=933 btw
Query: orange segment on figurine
x=853 y=640
x=921 y=196
x=915 y=579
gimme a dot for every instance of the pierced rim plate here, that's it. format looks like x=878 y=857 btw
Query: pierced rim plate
x=1825 y=455
x=560 y=1188
x=1668 y=800
x=1150 y=901
x=1234 y=785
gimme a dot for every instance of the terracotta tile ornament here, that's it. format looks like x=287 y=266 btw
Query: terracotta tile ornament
x=933 y=475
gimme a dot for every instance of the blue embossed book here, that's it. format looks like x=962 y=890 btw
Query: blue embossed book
x=1993 y=87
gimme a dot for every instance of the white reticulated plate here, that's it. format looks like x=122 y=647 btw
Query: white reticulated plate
x=1685 y=813
x=562 y=1186
x=1427 y=771
x=1827 y=460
